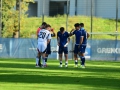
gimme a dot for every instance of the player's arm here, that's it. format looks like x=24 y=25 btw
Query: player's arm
x=88 y=35
x=71 y=32
x=81 y=38
x=37 y=32
x=68 y=40
x=49 y=38
x=53 y=33
x=58 y=40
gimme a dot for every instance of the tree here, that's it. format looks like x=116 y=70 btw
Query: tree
x=10 y=16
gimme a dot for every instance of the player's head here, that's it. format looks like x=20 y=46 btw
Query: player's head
x=62 y=29
x=48 y=27
x=43 y=25
x=77 y=26
x=81 y=24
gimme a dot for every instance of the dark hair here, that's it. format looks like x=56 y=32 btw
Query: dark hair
x=44 y=23
x=47 y=25
x=62 y=29
x=76 y=24
x=82 y=24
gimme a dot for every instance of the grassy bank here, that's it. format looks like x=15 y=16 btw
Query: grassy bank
x=99 y=25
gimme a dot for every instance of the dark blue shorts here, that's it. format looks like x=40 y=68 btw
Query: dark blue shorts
x=76 y=49
x=48 y=50
x=63 y=49
x=82 y=48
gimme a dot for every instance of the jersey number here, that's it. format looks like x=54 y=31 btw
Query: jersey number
x=42 y=35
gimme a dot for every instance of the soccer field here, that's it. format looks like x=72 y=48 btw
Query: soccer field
x=21 y=74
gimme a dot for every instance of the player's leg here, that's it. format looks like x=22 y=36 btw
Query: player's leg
x=46 y=57
x=66 y=56
x=60 y=51
x=43 y=50
x=75 y=55
x=43 y=59
x=39 y=62
x=38 y=55
x=82 y=55
x=48 y=51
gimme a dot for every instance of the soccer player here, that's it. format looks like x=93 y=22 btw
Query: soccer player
x=63 y=40
x=38 y=63
x=77 y=34
x=44 y=37
x=83 y=43
x=41 y=27
x=48 y=50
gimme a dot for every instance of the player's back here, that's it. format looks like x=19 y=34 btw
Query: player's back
x=77 y=35
x=43 y=35
x=84 y=34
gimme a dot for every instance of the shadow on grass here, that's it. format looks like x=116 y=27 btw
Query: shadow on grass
x=55 y=67
x=89 y=81
x=44 y=77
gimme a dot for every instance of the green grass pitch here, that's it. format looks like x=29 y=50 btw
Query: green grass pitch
x=21 y=74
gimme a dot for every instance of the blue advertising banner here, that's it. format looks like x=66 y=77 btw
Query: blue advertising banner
x=27 y=48
x=105 y=50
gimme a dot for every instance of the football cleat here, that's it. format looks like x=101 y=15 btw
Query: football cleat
x=76 y=66
x=60 y=66
x=82 y=66
x=66 y=66
x=37 y=66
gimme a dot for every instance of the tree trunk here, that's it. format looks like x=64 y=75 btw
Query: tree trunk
x=16 y=34
x=0 y=18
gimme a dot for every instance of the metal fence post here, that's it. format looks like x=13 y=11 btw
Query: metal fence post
x=67 y=15
x=116 y=27
x=43 y=1
x=91 y=17
x=91 y=28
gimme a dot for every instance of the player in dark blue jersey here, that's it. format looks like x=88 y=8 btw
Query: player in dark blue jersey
x=83 y=44
x=63 y=40
x=77 y=34
x=48 y=50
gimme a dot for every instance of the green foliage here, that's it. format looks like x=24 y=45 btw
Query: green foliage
x=28 y=26
x=10 y=16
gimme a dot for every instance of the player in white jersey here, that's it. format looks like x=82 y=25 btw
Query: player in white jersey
x=44 y=37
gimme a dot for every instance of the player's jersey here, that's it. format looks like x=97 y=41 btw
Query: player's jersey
x=43 y=35
x=63 y=38
x=84 y=34
x=77 y=34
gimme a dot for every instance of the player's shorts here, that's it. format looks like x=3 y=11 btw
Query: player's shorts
x=48 y=50
x=82 y=48
x=42 y=47
x=63 y=49
x=76 y=49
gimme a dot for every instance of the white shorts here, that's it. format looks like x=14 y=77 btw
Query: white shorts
x=42 y=47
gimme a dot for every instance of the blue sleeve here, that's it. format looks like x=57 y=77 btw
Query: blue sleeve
x=74 y=32
x=83 y=33
x=67 y=34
